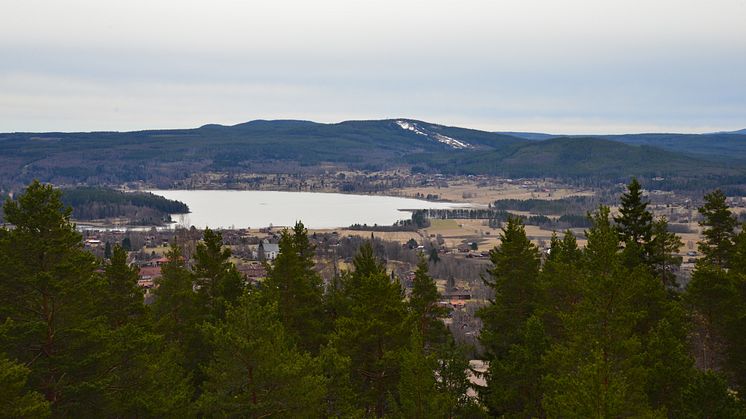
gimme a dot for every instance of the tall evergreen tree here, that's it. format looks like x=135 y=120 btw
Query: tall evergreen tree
x=256 y=370
x=559 y=283
x=178 y=314
x=107 y=250
x=719 y=229
x=424 y=308
x=49 y=300
x=634 y=223
x=597 y=369
x=514 y=278
x=663 y=249
x=516 y=378
x=298 y=290
x=419 y=395
x=372 y=331
x=125 y=297
x=218 y=282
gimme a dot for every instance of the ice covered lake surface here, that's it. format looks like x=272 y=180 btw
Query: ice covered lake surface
x=256 y=209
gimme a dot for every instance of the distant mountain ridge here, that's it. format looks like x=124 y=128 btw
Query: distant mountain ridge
x=292 y=146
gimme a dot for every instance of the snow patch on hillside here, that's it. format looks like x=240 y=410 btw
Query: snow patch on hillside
x=411 y=126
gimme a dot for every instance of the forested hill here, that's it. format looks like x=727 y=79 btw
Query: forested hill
x=142 y=208
x=162 y=156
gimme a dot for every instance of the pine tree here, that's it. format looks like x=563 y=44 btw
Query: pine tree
x=372 y=331
x=365 y=263
x=218 y=282
x=559 y=284
x=424 y=308
x=15 y=399
x=298 y=290
x=434 y=257
x=49 y=301
x=597 y=368
x=669 y=368
x=515 y=380
x=125 y=297
x=178 y=314
x=256 y=371
x=663 y=248
x=419 y=396
x=514 y=277
x=719 y=229
x=341 y=399
x=107 y=250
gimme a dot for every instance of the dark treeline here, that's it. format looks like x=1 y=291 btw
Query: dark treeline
x=496 y=217
x=417 y=221
x=596 y=332
x=90 y=203
x=570 y=205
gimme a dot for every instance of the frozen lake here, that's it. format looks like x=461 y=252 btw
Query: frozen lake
x=256 y=209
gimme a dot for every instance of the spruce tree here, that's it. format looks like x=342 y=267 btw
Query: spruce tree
x=424 y=308
x=514 y=278
x=298 y=290
x=597 y=368
x=125 y=297
x=372 y=331
x=178 y=314
x=634 y=223
x=719 y=225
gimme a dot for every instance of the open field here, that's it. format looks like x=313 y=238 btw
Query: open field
x=475 y=192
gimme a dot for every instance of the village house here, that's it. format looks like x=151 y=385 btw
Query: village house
x=270 y=250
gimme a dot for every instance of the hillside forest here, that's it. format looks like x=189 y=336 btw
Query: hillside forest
x=600 y=331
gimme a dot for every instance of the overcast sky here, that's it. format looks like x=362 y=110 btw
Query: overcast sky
x=559 y=66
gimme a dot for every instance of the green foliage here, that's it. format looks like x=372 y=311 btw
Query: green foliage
x=708 y=396
x=662 y=250
x=256 y=371
x=90 y=203
x=419 y=397
x=125 y=300
x=425 y=311
x=719 y=229
x=297 y=289
x=634 y=224
x=85 y=337
x=588 y=334
x=514 y=277
x=372 y=331
x=48 y=295
x=15 y=400
x=218 y=282
x=515 y=380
